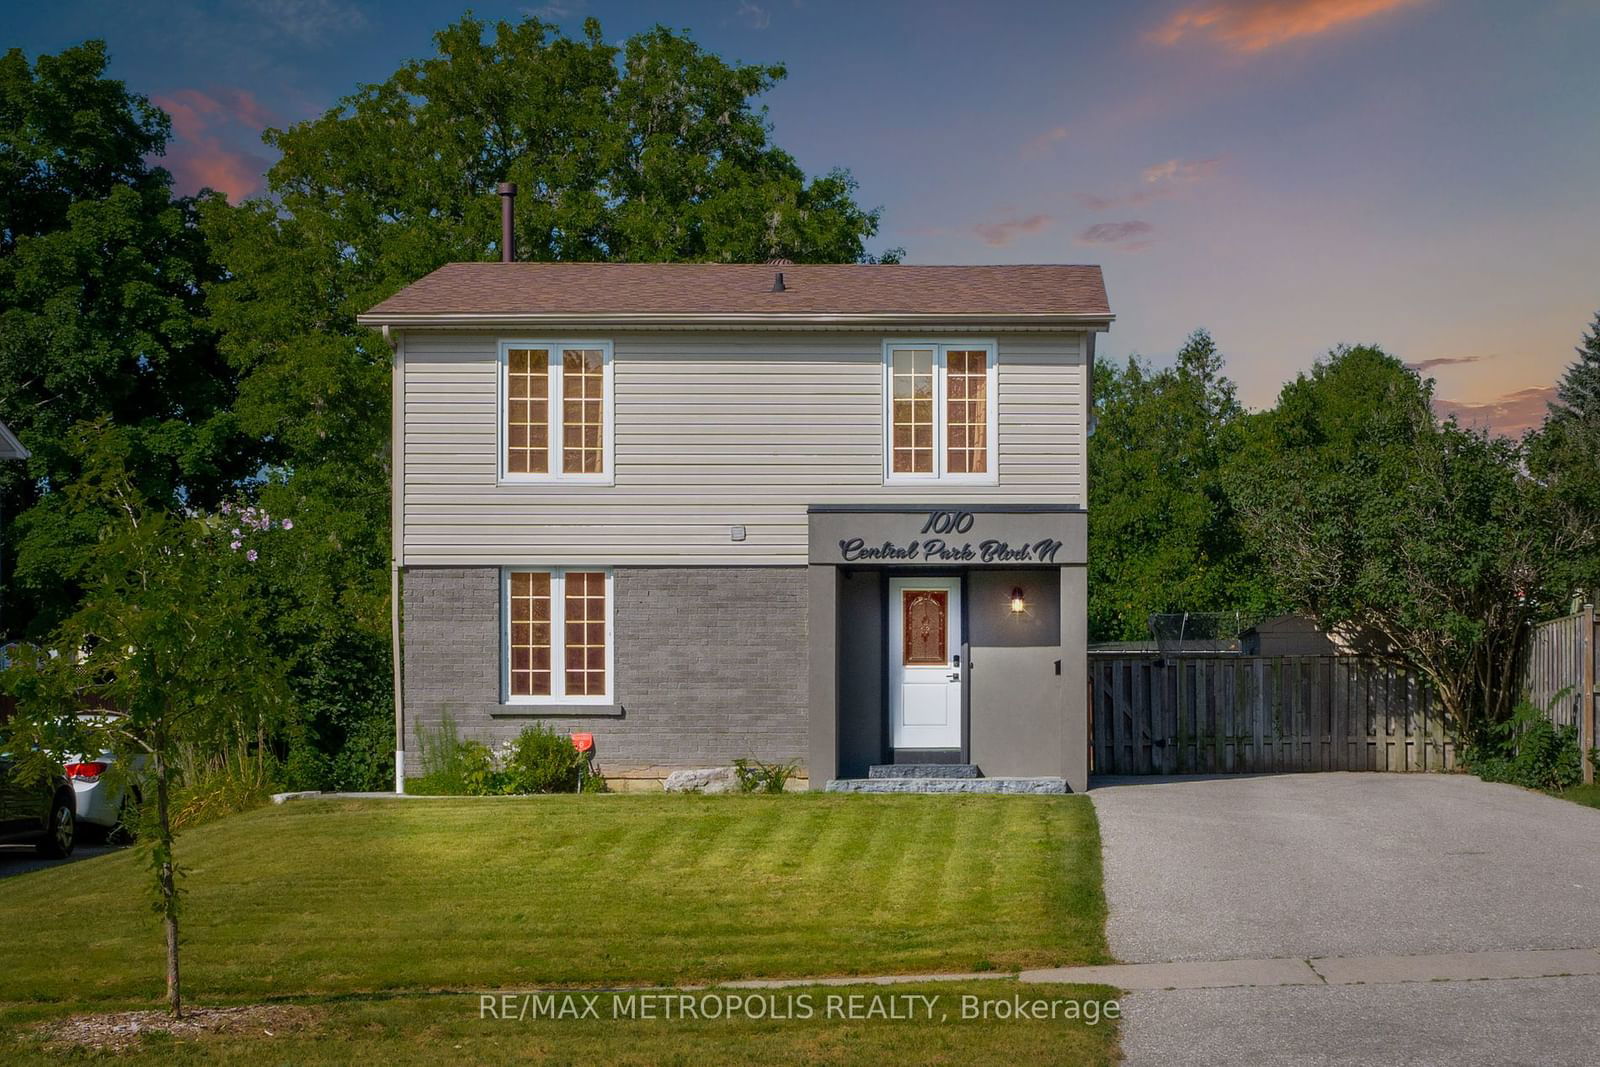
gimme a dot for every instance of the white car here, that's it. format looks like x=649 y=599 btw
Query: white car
x=101 y=796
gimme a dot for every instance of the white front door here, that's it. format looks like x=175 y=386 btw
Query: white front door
x=924 y=662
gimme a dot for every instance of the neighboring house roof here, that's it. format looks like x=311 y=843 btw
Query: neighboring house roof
x=10 y=447
x=690 y=293
x=1123 y=646
x=1291 y=635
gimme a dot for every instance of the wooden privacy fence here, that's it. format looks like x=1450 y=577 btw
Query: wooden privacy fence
x=1559 y=665
x=1242 y=714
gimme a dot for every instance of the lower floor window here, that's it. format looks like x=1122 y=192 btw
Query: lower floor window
x=558 y=635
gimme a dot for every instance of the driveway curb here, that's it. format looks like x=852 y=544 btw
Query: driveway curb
x=1348 y=970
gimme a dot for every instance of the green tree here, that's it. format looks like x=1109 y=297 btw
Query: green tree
x=1564 y=454
x=1422 y=539
x=170 y=632
x=653 y=151
x=1163 y=533
x=102 y=316
x=1578 y=392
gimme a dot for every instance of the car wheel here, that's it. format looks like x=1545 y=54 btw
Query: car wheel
x=63 y=830
x=118 y=832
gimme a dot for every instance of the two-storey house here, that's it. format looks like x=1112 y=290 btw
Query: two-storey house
x=834 y=514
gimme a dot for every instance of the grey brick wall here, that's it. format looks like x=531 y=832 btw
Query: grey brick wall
x=710 y=663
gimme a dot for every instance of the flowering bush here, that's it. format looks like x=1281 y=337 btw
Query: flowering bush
x=252 y=520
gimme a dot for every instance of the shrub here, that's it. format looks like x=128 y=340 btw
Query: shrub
x=543 y=761
x=453 y=766
x=365 y=761
x=1527 y=749
x=757 y=777
x=539 y=760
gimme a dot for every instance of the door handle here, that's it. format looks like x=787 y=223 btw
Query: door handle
x=955 y=676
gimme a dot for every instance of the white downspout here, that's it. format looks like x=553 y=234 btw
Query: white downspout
x=397 y=454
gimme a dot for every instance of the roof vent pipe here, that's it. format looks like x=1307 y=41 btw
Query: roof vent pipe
x=777 y=283
x=508 y=240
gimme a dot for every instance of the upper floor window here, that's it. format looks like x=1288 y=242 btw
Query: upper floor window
x=555 y=411
x=939 y=411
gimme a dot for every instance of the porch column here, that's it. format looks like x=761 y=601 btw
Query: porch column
x=822 y=629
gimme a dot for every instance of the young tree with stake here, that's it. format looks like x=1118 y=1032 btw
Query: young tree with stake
x=169 y=634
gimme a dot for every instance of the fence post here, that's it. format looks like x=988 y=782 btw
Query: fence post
x=1590 y=638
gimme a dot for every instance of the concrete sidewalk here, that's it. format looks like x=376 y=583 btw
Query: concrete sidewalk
x=1354 y=970
x=1550 y=1022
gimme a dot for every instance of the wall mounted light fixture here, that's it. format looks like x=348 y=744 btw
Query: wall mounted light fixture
x=1018 y=606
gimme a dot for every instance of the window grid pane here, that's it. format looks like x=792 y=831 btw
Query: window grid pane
x=582 y=411
x=967 y=411
x=530 y=633
x=528 y=411
x=911 y=373
x=585 y=604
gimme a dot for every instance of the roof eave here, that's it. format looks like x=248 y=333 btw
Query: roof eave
x=1091 y=320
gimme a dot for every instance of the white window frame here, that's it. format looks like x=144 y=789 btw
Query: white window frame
x=558 y=638
x=940 y=475
x=555 y=475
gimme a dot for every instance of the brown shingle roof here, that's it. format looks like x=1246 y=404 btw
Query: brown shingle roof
x=686 y=291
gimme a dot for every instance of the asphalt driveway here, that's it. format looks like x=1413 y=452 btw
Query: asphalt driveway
x=1342 y=865
x=20 y=859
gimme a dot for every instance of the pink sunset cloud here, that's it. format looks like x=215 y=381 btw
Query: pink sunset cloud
x=1156 y=182
x=1511 y=415
x=1130 y=236
x=1001 y=233
x=1423 y=366
x=1256 y=25
x=198 y=156
x=1042 y=143
x=1180 y=171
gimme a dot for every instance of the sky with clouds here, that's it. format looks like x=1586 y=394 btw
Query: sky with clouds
x=1291 y=174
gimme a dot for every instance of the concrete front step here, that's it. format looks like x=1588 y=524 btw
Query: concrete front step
x=923 y=770
x=947 y=785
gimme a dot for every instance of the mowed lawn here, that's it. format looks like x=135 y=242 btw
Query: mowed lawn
x=453 y=1029
x=329 y=897
x=1588 y=795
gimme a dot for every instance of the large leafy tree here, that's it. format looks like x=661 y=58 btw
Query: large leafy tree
x=653 y=151
x=1422 y=538
x=1565 y=455
x=102 y=317
x=1163 y=534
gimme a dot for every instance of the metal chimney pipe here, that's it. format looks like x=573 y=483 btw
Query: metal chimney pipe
x=508 y=239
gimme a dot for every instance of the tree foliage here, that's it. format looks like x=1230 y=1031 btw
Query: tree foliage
x=102 y=278
x=1163 y=534
x=1421 y=538
x=1564 y=454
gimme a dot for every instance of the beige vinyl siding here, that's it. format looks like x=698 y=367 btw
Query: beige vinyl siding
x=712 y=430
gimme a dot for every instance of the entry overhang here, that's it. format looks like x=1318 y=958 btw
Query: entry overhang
x=948 y=535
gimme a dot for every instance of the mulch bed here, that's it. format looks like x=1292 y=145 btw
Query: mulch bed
x=117 y=1031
